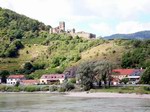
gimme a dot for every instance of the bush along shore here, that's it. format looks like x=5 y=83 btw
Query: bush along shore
x=34 y=88
x=70 y=87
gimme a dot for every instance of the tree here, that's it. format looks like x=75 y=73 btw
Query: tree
x=28 y=68
x=89 y=72
x=124 y=80
x=11 y=51
x=145 y=78
x=85 y=75
x=102 y=71
x=18 y=44
x=3 y=75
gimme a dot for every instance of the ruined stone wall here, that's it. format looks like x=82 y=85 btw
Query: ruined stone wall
x=84 y=35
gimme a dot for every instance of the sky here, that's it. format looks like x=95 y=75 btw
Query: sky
x=101 y=17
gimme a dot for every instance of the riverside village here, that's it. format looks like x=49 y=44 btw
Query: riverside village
x=74 y=56
x=73 y=78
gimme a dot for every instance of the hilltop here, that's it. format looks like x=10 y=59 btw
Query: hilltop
x=136 y=35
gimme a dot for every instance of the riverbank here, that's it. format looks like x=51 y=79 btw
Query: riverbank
x=106 y=95
x=87 y=94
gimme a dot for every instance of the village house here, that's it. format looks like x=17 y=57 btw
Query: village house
x=135 y=76
x=29 y=82
x=13 y=79
x=132 y=74
x=52 y=78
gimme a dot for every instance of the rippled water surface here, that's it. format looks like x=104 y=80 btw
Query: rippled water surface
x=60 y=103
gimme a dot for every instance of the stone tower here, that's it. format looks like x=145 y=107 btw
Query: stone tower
x=62 y=26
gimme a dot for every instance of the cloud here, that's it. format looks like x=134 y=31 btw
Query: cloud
x=119 y=9
x=48 y=11
x=131 y=27
x=102 y=28
x=102 y=17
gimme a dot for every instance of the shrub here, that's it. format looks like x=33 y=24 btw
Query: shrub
x=61 y=89
x=2 y=87
x=72 y=80
x=45 y=88
x=16 y=89
x=147 y=88
x=53 y=88
x=31 y=89
x=9 y=88
x=68 y=86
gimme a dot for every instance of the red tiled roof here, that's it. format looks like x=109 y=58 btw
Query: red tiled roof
x=53 y=76
x=123 y=71
x=30 y=81
x=16 y=76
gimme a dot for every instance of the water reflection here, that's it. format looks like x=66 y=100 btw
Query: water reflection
x=60 y=103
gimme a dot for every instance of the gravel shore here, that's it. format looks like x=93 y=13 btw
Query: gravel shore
x=106 y=95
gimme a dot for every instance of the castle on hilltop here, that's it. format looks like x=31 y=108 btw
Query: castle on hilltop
x=61 y=29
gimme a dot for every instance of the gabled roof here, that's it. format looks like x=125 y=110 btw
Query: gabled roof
x=53 y=76
x=126 y=71
x=30 y=81
x=16 y=77
x=123 y=71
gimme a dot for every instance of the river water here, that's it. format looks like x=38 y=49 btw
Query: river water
x=60 y=103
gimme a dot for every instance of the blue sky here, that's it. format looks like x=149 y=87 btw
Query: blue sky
x=102 y=17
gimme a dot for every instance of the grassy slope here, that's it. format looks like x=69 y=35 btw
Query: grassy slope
x=34 y=52
x=109 y=51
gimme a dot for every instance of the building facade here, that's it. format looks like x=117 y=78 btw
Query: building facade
x=13 y=79
x=132 y=74
x=29 y=82
x=52 y=78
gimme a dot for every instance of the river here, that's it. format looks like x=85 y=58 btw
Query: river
x=59 y=103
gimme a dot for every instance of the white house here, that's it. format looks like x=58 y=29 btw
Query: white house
x=13 y=79
x=51 y=78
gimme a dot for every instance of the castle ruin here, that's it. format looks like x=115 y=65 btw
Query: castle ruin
x=61 y=29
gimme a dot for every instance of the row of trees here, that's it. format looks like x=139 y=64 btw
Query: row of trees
x=92 y=72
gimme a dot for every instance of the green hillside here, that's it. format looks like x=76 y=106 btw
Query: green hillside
x=26 y=40
x=26 y=47
x=14 y=27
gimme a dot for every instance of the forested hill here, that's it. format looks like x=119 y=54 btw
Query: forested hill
x=137 y=35
x=12 y=24
x=15 y=26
